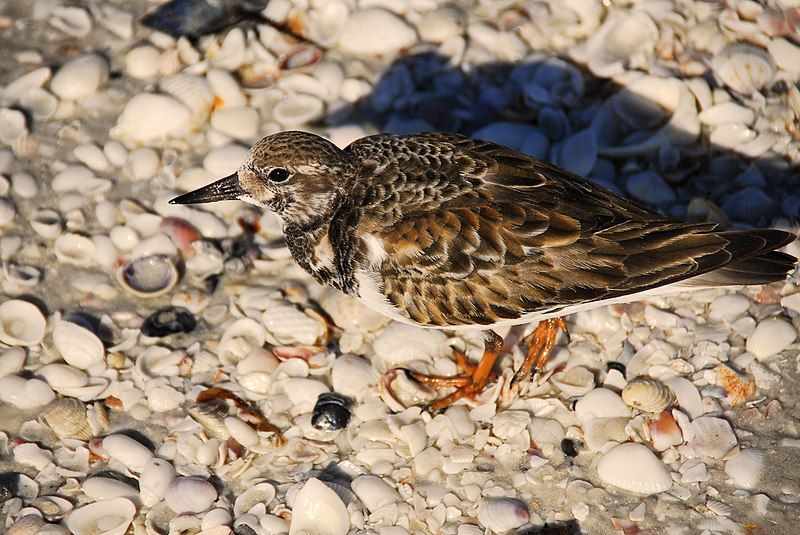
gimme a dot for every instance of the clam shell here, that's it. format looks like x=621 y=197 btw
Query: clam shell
x=148 y=119
x=148 y=276
x=770 y=337
x=67 y=418
x=110 y=517
x=713 y=437
x=78 y=346
x=190 y=495
x=25 y=393
x=743 y=67
x=746 y=467
x=318 y=509
x=156 y=476
x=131 y=453
x=502 y=514
x=634 y=468
x=374 y=492
x=260 y=493
x=80 y=77
x=106 y=488
x=31 y=454
x=21 y=323
x=601 y=403
x=648 y=395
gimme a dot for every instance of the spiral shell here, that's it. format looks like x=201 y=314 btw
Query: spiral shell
x=648 y=395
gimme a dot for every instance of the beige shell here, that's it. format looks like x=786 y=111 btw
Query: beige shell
x=648 y=395
x=67 y=418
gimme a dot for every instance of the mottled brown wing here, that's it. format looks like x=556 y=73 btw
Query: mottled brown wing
x=476 y=233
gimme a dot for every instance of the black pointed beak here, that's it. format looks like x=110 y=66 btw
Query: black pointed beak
x=226 y=189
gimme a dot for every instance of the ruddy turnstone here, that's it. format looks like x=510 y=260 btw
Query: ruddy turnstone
x=448 y=232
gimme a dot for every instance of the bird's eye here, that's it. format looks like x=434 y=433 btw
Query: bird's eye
x=279 y=174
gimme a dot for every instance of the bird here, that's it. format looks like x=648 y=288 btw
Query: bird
x=444 y=231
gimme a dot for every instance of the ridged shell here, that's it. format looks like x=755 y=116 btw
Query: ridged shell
x=648 y=395
x=634 y=468
x=318 y=509
x=290 y=325
x=21 y=323
x=110 y=517
x=745 y=468
x=190 y=495
x=770 y=337
x=503 y=514
x=67 y=418
x=192 y=91
x=719 y=508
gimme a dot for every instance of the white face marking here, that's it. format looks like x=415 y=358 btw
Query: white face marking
x=376 y=254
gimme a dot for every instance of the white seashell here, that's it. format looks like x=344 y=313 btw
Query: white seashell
x=92 y=156
x=240 y=431
x=439 y=25
x=21 y=275
x=505 y=46
x=156 y=476
x=24 y=185
x=648 y=395
x=743 y=67
x=25 y=393
x=117 y=154
x=12 y=126
x=253 y=496
x=258 y=382
x=318 y=509
x=598 y=432
x=687 y=396
x=226 y=89
x=726 y=112
x=745 y=468
x=190 y=495
x=106 y=488
x=71 y=248
x=239 y=339
x=236 y=122
x=575 y=382
x=74 y=21
x=719 y=508
x=729 y=306
x=352 y=376
x=21 y=323
x=131 y=453
x=502 y=514
x=148 y=276
x=325 y=22
x=374 y=492
x=400 y=344
x=109 y=517
x=634 y=468
x=34 y=79
x=303 y=392
x=297 y=109
x=79 y=77
x=123 y=238
x=7 y=212
x=713 y=437
x=623 y=35
x=601 y=403
x=231 y=53
x=11 y=361
x=32 y=455
x=510 y=423
x=192 y=91
x=142 y=62
x=142 y=164
x=40 y=103
x=731 y=135
x=358 y=37
x=78 y=346
x=785 y=54
x=349 y=313
x=289 y=325
x=61 y=375
x=149 y=119
x=770 y=337
x=222 y=161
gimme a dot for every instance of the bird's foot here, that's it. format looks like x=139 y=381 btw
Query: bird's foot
x=540 y=345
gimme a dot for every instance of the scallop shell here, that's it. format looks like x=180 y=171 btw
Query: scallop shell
x=79 y=347
x=67 y=418
x=743 y=67
x=74 y=249
x=148 y=276
x=156 y=476
x=648 y=395
x=21 y=323
x=318 y=509
x=634 y=468
x=110 y=517
x=601 y=403
x=190 y=495
x=770 y=337
x=192 y=91
x=745 y=468
x=290 y=325
x=713 y=437
x=502 y=514
x=131 y=453
x=260 y=493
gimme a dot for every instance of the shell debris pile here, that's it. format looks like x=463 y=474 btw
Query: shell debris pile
x=168 y=369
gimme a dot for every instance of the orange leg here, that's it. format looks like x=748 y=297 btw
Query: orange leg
x=472 y=382
x=540 y=344
x=247 y=413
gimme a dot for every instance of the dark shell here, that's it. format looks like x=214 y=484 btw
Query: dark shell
x=331 y=412
x=194 y=18
x=570 y=447
x=613 y=365
x=167 y=321
x=8 y=485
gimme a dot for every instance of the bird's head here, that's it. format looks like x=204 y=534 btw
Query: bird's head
x=295 y=174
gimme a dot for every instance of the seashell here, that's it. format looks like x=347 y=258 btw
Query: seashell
x=211 y=415
x=154 y=480
x=601 y=403
x=226 y=89
x=743 y=67
x=78 y=346
x=74 y=21
x=738 y=387
x=190 y=495
x=21 y=323
x=7 y=212
x=785 y=54
x=290 y=325
x=623 y=36
x=352 y=376
x=219 y=517
x=241 y=432
x=650 y=188
x=358 y=37
x=192 y=91
x=770 y=337
x=67 y=418
x=439 y=25
x=348 y=313
x=326 y=21
x=634 y=468
x=123 y=238
x=167 y=321
x=222 y=161
x=713 y=437
x=52 y=507
x=297 y=109
x=719 y=508
x=374 y=492
x=39 y=103
x=92 y=157
x=665 y=432
x=109 y=517
x=731 y=135
x=148 y=276
x=748 y=205
x=331 y=412
x=253 y=496
x=21 y=275
x=150 y=119
x=686 y=396
x=142 y=164
x=575 y=382
x=745 y=468
x=648 y=395
x=34 y=79
x=299 y=58
x=31 y=454
x=131 y=453
x=318 y=509
x=71 y=248
x=12 y=126
x=502 y=514
x=11 y=361
x=230 y=55
x=238 y=122
x=239 y=339
x=142 y=62
x=24 y=185
x=80 y=77
x=726 y=112
x=598 y=432
x=106 y=488
x=303 y=392
x=400 y=344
